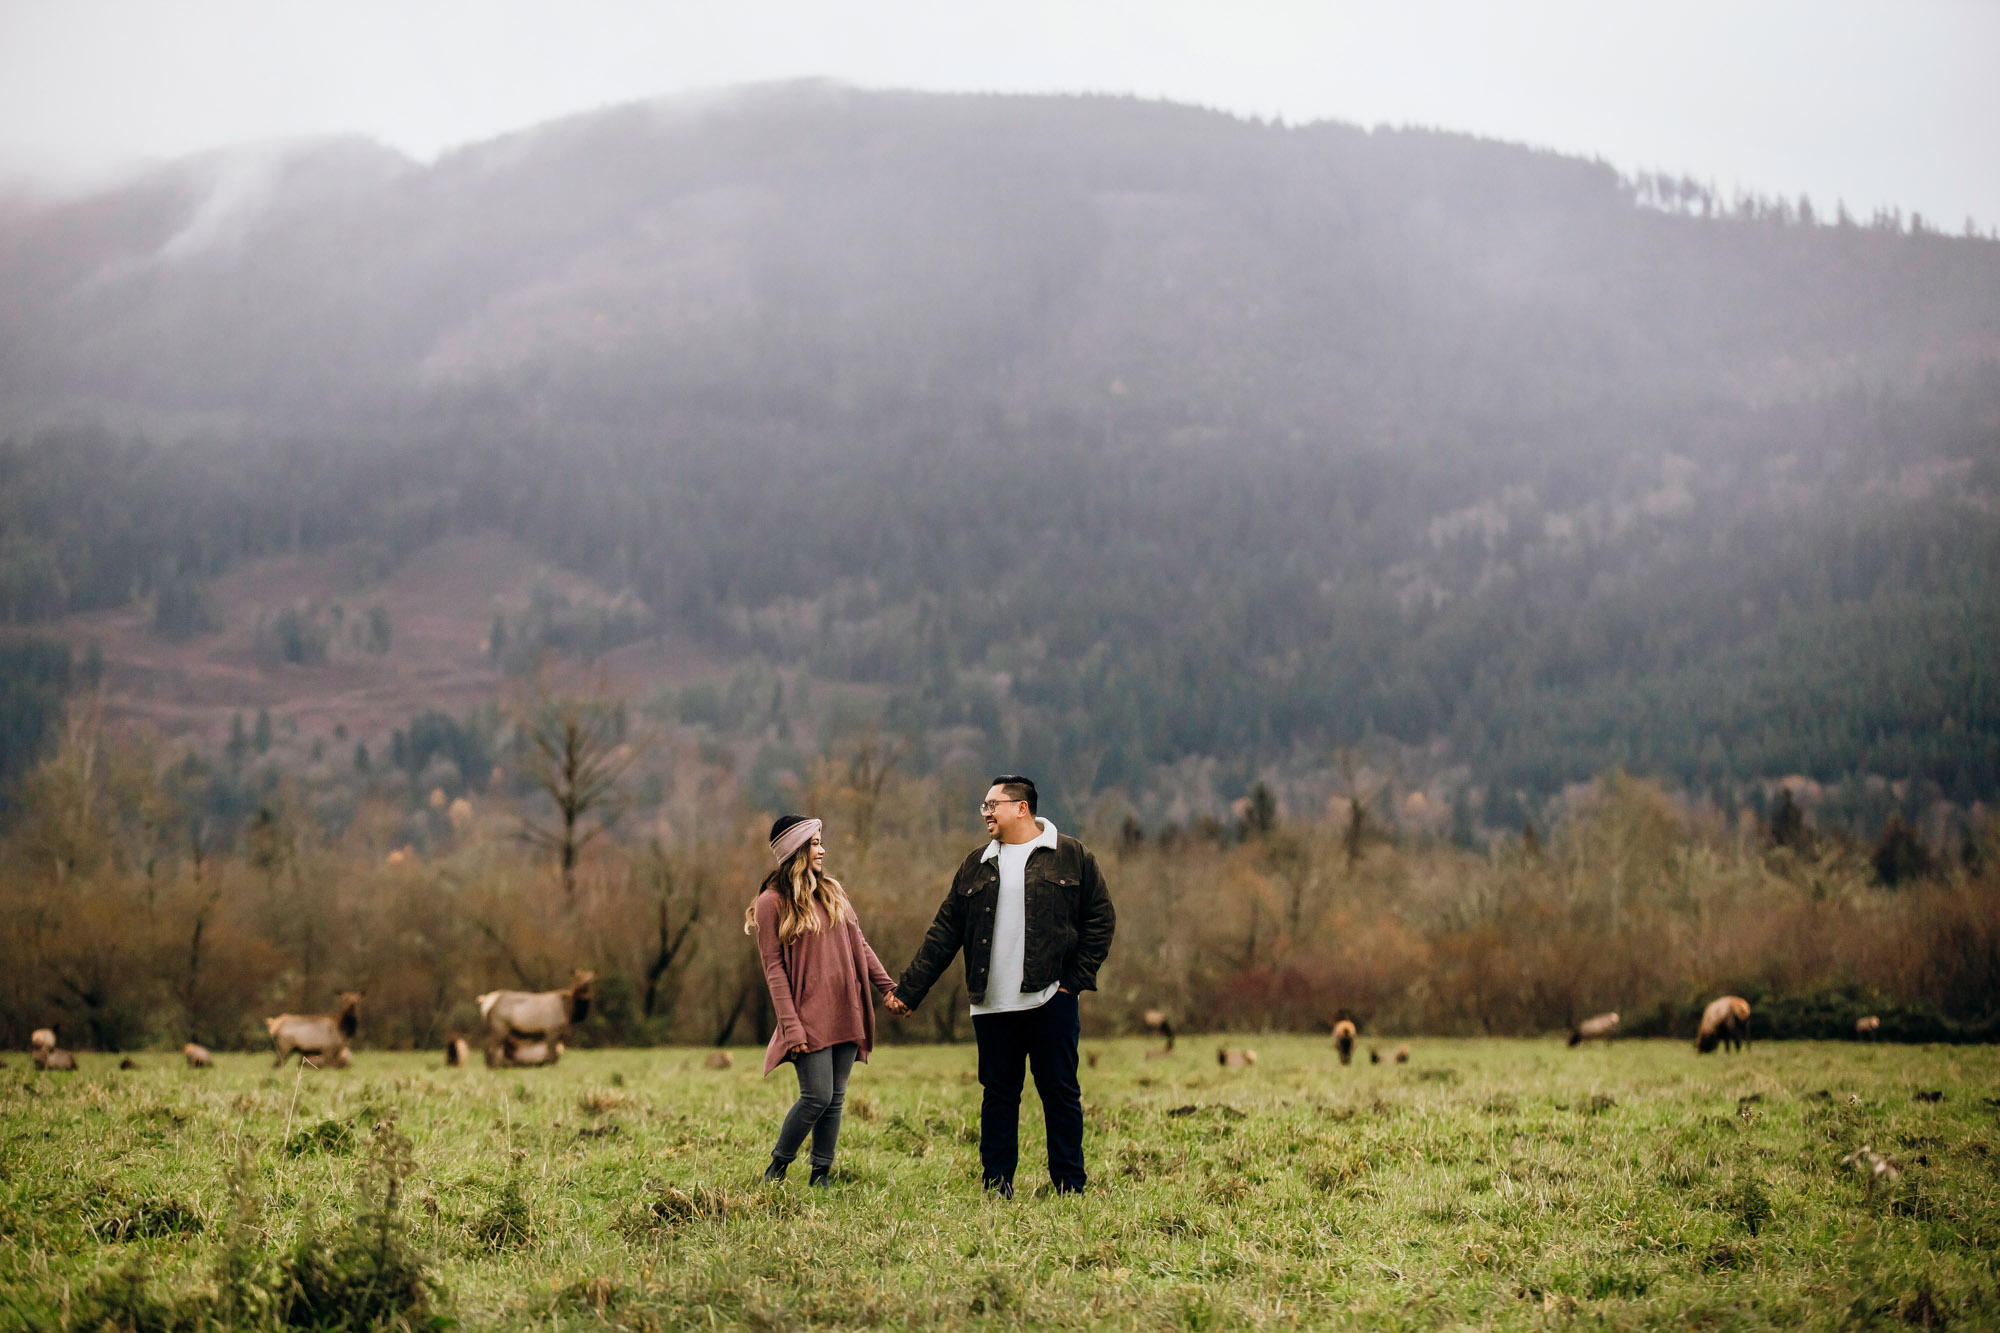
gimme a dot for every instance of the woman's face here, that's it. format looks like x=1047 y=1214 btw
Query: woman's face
x=816 y=855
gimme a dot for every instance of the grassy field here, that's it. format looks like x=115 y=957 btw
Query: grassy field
x=1490 y=1183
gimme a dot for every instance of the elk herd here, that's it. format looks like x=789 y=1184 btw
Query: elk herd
x=524 y=1029
x=521 y=1028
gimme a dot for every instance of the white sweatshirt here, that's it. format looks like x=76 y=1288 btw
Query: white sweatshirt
x=1010 y=928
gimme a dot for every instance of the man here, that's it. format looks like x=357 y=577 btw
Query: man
x=1032 y=914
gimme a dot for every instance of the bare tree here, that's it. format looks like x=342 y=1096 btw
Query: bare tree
x=578 y=755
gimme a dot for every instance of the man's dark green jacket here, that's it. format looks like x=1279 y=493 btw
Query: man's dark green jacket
x=1069 y=918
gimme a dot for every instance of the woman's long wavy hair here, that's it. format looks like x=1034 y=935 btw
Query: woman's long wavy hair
x=798 y=887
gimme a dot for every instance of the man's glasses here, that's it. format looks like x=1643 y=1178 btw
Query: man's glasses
x=988 y=807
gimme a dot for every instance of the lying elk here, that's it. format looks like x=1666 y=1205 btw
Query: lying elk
x=521 y=1017
x=1229 y=1059
x=1601 y=1028
x=520 y=1053
x=1343 y=1040
x=1725 y=1022
x=42 y=1050
x=321 y=1040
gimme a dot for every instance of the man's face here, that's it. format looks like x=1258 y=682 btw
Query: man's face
x=1000 y=812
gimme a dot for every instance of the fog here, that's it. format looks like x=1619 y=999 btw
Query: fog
x=1876 y=105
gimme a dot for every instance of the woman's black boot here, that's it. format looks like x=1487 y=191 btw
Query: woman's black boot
x=819 y=1177
x=775 y=1172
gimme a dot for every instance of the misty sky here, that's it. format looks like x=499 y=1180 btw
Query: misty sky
x=1890 y=103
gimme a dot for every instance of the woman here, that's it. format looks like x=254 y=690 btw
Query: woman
x=819 y=969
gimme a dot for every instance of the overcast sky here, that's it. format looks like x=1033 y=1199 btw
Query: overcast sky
x=1889 y=103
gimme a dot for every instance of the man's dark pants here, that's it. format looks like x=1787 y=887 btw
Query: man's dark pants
x=1044 y=1039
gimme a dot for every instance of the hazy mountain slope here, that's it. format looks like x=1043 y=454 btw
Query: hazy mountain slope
x=1117 y=432
x=812 y=249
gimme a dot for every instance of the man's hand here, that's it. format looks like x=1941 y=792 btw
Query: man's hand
x=896 y=1006
x=1062 y=990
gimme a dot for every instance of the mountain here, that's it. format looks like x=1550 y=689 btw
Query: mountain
x=1131 y=436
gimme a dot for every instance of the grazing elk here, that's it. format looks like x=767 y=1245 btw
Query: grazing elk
x=1725 y=1022
x=198 y=1056
x=1343 y=1040
x=1866 y=1028
x=1601 y=1028
x=526 y=1017
x=321 y=1040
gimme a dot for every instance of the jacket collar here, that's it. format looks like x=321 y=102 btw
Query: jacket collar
x=1048 y=839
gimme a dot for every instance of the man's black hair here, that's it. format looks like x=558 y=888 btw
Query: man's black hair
x=1016 y=788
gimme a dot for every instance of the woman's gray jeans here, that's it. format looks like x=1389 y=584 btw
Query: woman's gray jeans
x=822 y=1093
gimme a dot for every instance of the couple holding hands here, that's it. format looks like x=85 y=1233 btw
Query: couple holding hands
x=1032 y=914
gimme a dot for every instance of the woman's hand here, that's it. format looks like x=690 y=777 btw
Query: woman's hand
x=896 y=1006
x=798 y=1048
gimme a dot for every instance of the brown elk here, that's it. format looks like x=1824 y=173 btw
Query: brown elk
x=320 y=1040
x=1725 y=1022
x=50 y=1057
x=198 y=1056
x=720 y=1060
x=41 y=1039
x=525 y=1053
x=1156 y=1019
x=1403 y=1054
x=1343 y=1040
x=524 y=1017
x=1603 y=1027
x=1229 y=1059
x=1866 y=1028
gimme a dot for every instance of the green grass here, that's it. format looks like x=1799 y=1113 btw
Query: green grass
x=1489 y=1183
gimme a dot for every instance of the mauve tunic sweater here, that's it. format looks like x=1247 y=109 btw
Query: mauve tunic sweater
x=819 y=984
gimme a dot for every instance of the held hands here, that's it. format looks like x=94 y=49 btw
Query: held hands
x=896 y=1006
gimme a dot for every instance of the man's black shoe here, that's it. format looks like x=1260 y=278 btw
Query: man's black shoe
x=1003 y=1188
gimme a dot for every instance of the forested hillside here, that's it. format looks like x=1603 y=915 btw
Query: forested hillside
x=1136 y=441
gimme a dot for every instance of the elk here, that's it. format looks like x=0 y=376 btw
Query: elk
x=1157 y=1020
x=456 y=1053
x=1601 y=1028
x=321 y=1040
x=1343 y=1040
x=521 y=1017
x=525 y=1053
x=41 y=1039
x=198 y=1056
x=1866 y=1028
x=1403 y=1054
x=49 y=1057
x=1229 y=1059
x=720 y=1060
x=1724 y=1022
